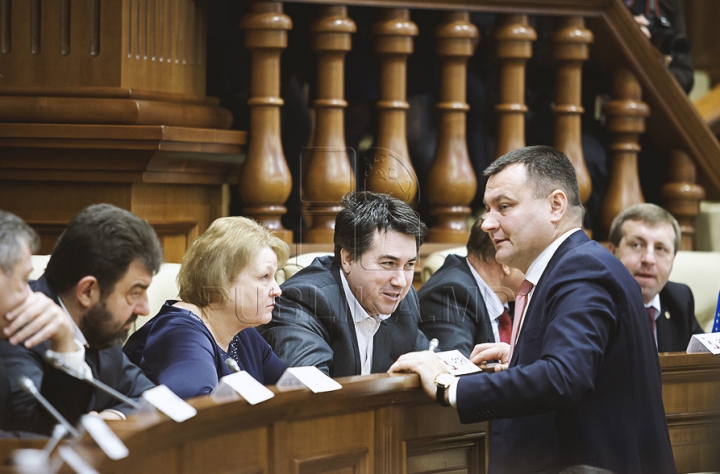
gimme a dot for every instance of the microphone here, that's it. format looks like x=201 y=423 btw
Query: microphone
x=29 y=386
x=58 y=363
x=232 y=365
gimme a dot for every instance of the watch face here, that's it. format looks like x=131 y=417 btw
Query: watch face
x=445 y=379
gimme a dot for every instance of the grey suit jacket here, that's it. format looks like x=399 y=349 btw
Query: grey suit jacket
x=312 y=325
x=453 y=309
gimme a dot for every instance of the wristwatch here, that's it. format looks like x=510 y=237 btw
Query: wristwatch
x=442 y=382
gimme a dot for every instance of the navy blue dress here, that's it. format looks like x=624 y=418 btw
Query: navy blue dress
x=176 y=349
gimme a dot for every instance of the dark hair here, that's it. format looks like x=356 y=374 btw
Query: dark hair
x=547 y=168
x=480 y=244
x=13 y=231
x=648 y=213
x=365 y=212
x=102 y=240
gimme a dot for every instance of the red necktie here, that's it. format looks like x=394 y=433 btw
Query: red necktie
x=521 y=300
x=651 y=315
x=504 y=327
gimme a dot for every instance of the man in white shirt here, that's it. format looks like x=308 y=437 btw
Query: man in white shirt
x=98 y=273
x=583 y=383
x=355 y=312
x=645 y=238
x=465 y=302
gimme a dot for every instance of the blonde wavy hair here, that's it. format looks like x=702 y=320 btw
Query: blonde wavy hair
x=215 y=259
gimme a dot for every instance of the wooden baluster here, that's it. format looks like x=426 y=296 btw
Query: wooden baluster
x=514 y=39
x=571 y=49
x=452 y=184
x=328 y=175
x=391 y=171
x=682 y=195
x=625 y=120
x=265 y=181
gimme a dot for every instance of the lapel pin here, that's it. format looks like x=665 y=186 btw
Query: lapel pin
x=667 y=314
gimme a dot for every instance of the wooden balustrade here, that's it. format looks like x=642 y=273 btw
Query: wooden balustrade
x=328 y=175
x=265 y=181
x=390 y=170
x=571 y=49
x=452 y=184
x=682 y=195
x=625 y=121
x=514 y=39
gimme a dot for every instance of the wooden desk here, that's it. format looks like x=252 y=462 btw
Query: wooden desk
x=377 y=424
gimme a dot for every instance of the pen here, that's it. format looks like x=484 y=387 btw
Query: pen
x=433 y=344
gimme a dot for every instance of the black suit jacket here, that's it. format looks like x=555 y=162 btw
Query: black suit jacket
x=674 y=332
x=312 y=325
x=453 y=309
x=584 y=382
x=70 y=396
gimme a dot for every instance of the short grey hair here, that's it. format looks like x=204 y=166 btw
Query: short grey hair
x=14 y=231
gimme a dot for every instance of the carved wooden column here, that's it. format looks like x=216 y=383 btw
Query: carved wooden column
x=391 y=171
x=452 y=183
x=265 y=181
x=625 y=121
x=514 y=39
x=571 y=49
x=328 y=175
x=682 y=195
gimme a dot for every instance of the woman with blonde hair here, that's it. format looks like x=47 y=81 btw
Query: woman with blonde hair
x=227 y=288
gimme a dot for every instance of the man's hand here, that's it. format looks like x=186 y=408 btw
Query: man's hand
x=38 y=318
x=482 y=353
x=425 y=364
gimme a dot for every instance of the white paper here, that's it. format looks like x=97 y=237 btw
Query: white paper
x=456 y=363
x=167 y=402
x=104 y=437
x=244 y=384
x=704 y=343
x=311 y=377
x=75 y=461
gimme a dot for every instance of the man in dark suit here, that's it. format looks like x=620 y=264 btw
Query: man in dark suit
x=465 y=302
x=356 y=312
x=645 y=238
x=583 y=383
x=99 y=272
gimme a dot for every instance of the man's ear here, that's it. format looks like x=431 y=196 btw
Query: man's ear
x=558 y=205
x=611 y=248
x=346 y=260
x=87 y=292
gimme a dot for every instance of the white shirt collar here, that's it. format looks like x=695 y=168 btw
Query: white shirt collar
x=492 y=302
x=537 y=268
x=356 y=310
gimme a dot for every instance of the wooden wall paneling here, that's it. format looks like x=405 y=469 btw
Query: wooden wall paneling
x=247 y=454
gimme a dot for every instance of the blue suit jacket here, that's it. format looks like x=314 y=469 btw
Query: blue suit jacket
x=312 y=325
x=453 y=309
x=676 y=323
x=584 y=383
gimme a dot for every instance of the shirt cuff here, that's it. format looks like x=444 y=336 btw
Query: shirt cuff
x=452 y=393
x=117 y=412
x=75 y=360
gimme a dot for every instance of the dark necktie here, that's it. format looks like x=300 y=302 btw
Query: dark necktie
x=505 y=327
x=521 y=300
x=651 y=316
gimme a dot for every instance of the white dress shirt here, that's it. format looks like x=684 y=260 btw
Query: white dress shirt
x=493 y=305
